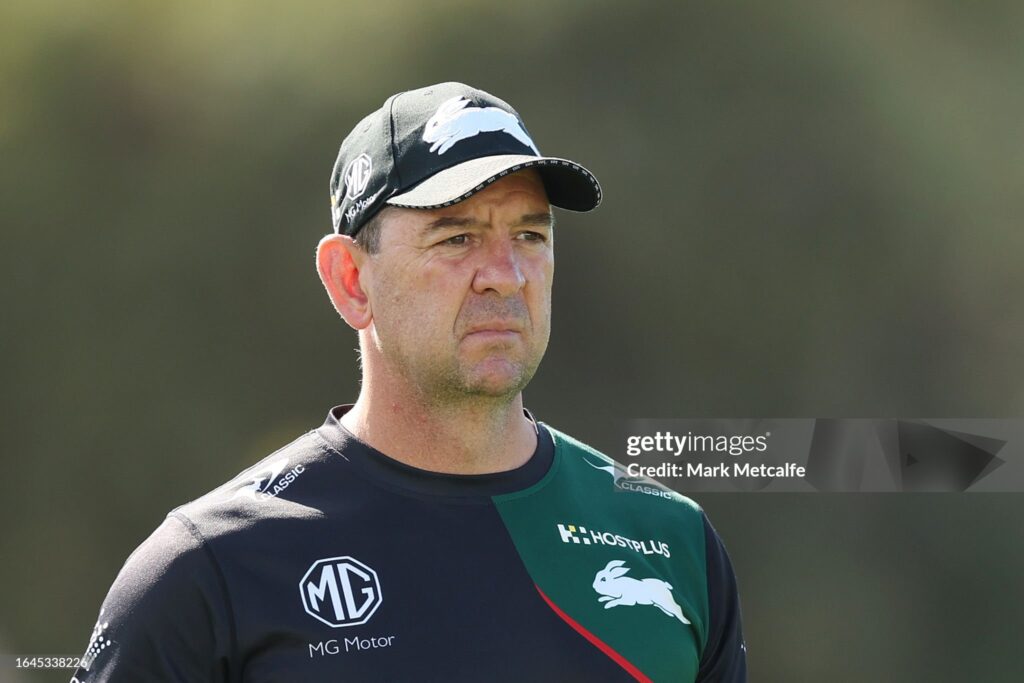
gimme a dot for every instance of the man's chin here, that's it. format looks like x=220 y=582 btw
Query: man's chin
x=498 y=380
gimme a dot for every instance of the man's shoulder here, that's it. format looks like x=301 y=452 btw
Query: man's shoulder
x=586 y=466
x=185 y=557
x=269 y=489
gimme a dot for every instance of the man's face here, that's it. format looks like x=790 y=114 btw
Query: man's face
x=461 y=296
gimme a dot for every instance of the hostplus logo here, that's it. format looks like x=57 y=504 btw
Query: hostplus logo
x=270 y=481
x=580 y=535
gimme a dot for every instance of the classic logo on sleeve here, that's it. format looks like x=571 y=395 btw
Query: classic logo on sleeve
x=624 y=483
x=270 y=481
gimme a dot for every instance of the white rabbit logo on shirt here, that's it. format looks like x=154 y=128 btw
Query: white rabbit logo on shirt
x=617 y=589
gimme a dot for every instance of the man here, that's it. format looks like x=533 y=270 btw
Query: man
x=432 y=531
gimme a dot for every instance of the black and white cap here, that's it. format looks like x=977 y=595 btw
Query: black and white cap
x=439 y=145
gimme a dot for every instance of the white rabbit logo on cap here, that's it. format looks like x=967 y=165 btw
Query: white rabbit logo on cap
x=617 y=589
x=454 y=121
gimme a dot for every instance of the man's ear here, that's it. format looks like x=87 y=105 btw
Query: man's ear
x=339 y=260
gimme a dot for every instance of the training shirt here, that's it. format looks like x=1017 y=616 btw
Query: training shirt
x=330 y=561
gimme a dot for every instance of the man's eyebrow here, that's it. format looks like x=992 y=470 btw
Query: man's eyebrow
x=545 y=219
x=449 y=222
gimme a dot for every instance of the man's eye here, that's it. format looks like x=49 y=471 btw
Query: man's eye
x=456 y=240
x=531 y=236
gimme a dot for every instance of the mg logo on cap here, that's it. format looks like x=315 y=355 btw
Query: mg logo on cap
x=357 y=175
x=340 y=591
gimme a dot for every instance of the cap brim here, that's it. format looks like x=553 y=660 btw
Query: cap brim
x=569 y=185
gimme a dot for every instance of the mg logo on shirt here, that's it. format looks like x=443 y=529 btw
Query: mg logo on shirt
x=340 y=591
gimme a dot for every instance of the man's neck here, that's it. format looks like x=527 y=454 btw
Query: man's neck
x=470 y=437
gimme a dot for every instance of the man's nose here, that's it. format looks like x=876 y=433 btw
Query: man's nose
x=499 y=270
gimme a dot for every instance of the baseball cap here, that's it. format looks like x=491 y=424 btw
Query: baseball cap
x=437 y=146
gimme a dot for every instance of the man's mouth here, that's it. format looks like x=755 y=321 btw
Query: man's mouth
x=497 y=330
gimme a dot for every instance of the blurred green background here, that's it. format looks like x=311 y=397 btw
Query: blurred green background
x=811 y=209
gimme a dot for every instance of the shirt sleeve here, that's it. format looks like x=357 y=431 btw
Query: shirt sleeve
x=166 y=617
x=725 y=656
